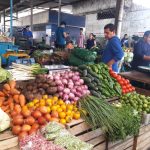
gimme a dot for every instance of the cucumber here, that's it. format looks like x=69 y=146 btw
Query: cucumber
x=87 y=80
x=84 y=73
x=89 y=76
x=92 y=87
x=95 y=93
x=83 y=67
x=92 y=73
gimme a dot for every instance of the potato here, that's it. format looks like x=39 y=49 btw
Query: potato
x=52 y=84
x=29 y=87
x=51 y=90
x=45 y=86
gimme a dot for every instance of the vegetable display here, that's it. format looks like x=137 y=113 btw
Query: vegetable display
x=64 y=139
x=139 y=102
x=23 y=72
x=38 y=87
x=38 y=142
x=70 y=86
x=11 y=99
x=4 y=75
x=82 y=56
x=124 y=83
x=37 y=113
x=100 y=83
x=113 y=121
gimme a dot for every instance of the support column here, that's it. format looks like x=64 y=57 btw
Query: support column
x=11 y=18
x=31 y=16
x=59 y=13
x=4 y=20
x=119 y=16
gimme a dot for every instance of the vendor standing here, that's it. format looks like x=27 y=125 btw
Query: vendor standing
x=61 y=36
x=113 y=52
x=28 y=34
x=142 y=52
x=91 y=42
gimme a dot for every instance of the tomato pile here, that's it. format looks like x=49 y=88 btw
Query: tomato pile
x=124 y=83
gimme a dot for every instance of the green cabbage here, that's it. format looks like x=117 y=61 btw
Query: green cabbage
x=4 y=75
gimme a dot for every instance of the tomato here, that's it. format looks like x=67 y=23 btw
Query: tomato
x=54 y=114
x=115 y=75
x=127 y=81
x=26 y=113
x=16 y=129
x=133 y=88
x=47 y=117
x=118 y=78
x=26 y=128
x=30 y=120
x=41 y=120
x=32 y=131
x=128 y=85
x=123 y=91
x=121 y=82
x=36 y=114
x=124 y=87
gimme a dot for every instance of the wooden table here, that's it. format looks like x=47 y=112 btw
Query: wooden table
x=139 y=77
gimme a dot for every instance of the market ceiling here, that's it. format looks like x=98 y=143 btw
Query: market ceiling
x=6 y=3
x=20 y=5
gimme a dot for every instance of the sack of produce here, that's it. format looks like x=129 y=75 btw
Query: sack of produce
x=75 y=61
x=85 y=54
x=4 y=121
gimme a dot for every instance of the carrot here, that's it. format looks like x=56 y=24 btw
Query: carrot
x=6 y=87
x=1 y=102
x=12 y=84
x=22 y=100
x=10 y=100
x=2 y=94
x=11 y=106
x=16 y=98
x=5 y=108
x=2 y=98
x=6 y=92
x=7 y=111
x=5 y=103
x=14 y=91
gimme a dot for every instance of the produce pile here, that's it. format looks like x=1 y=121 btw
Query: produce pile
x=11 y=100
x=38 y=113
x=70 y=86
x=4 y=75
x=24 y=72
x=82 y=56
x=38 y=142
x=128 y=57
x=124 y=83
x=116 y=123
x=139 y=102
x=63 y=138
x=99 y=81
x=38 y=87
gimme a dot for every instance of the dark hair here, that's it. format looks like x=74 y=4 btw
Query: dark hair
x=81 y=29
x=27 y=26
x=110 y=26
x=125 y=34
x=147 y=33
x=63 y=23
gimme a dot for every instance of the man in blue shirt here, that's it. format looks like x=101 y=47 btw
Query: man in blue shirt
x=142 y=52
x=61 y=36
x=28 y=34
x=113 y=52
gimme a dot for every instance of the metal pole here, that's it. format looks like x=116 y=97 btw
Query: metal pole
x=4 y=20
x=119 y=16
x=11 y=18
x=59 y=13
x=31 y=17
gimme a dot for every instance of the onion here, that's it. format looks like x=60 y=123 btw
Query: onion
x=81 y=81
x=77 y=83
x=76 y=98
x=77 y=73
x=65 y=97
x=66 y=90
x=70 y=74
x=60 y=94
x=78 y=94
x=84 y=92
x=71 y=96
x=75 y=78
x=60 y=88
x=58 y=82
x=73 y=90
x=56 y=77
x=79 y=89
x=64 y=81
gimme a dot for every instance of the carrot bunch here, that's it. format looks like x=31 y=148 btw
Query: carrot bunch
x=11 y=99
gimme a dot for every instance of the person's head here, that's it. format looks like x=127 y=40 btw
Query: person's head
x=81 y=30
x=109 y=31
x=27 y=28
x=94 y=36
x=147 y=37
x=63 y=24
x=91 y=36
x=126 y=36
x=67 y=33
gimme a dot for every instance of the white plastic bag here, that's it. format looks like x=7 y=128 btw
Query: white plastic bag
x=4 y=121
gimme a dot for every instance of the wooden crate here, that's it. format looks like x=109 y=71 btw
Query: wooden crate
x=96 y=137
x=8 y=141
x=143 y=140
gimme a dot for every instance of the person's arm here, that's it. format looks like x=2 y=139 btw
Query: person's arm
x=117 y=51
x=147 y=58
x=65 y=35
